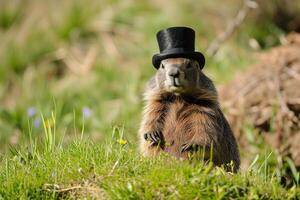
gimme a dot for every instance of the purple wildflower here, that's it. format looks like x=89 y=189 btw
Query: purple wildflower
x=31 y=111
x=86 y=112
x=37 y=123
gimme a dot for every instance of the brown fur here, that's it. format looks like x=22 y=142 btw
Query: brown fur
x=192 y=117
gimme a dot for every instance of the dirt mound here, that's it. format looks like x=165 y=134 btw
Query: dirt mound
x=267 y=97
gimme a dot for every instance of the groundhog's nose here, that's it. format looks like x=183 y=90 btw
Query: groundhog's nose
x=174 y=72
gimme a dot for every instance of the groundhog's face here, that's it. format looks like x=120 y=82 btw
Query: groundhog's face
x=178 y=75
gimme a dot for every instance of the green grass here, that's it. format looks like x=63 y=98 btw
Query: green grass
x=115 y=171
x=73 y=71
x=48 y=169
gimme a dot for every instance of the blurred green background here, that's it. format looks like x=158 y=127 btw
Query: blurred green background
x=88 y=61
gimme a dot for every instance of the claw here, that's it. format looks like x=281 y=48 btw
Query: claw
x=184 y=147
x=189 y=147
x=154 y=139
x=156 y=135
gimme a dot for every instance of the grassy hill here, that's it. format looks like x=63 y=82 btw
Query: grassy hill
x=71 y=78
x=114 y=171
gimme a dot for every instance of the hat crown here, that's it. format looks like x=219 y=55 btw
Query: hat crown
x=176 y=37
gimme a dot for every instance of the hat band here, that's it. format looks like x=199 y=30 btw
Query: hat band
x=177 y=50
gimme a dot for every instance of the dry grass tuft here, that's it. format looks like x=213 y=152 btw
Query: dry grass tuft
x=267 y=97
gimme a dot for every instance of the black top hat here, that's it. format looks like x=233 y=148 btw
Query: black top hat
x=177 y=42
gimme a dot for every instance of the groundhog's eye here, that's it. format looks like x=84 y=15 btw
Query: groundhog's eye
x=162 y=66
x=189 y=65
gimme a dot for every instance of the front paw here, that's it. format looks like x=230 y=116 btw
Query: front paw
x=155 y=137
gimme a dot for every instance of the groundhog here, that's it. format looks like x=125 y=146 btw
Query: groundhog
x=182 y=115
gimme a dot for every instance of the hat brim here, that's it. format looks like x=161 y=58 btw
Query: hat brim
x=157 y=58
